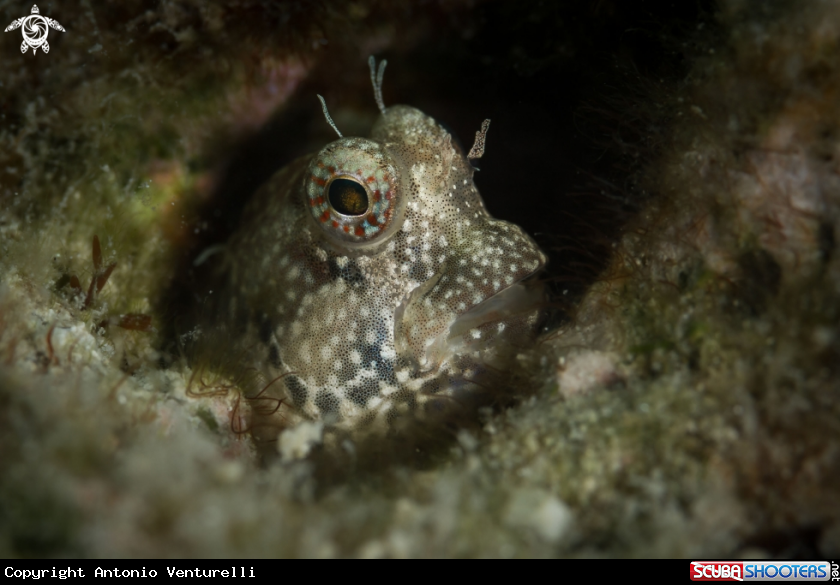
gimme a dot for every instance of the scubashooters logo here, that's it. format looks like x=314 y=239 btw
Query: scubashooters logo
x=35 y=29
x=761 y=571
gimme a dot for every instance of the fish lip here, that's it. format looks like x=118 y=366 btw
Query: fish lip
x=434 y=322
x=518 y=299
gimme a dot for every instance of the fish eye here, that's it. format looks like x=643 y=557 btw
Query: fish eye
x=352 y=192
x=347 y=196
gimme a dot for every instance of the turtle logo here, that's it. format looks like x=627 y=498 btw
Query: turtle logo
x=35 y=29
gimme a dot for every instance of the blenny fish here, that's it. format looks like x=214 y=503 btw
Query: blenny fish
x=368 y=284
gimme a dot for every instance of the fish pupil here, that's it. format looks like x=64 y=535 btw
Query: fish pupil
x=347 y=197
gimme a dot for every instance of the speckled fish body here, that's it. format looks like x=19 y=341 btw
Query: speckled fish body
x=374 y=284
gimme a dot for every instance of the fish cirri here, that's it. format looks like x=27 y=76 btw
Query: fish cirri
x=368 y=285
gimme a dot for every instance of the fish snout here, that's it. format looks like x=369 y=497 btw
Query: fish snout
x=480 y=283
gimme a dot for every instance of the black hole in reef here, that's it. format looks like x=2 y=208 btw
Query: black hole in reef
x=348 y=197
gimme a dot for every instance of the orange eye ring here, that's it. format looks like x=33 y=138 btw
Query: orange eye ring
x=353 y=192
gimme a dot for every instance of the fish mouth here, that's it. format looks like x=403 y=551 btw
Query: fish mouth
x=488 y=282
x=508 y=317
x=510 y=304
x=512 y=312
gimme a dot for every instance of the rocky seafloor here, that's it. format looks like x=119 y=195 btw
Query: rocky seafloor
x=679 y=165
